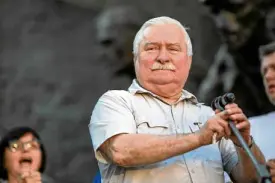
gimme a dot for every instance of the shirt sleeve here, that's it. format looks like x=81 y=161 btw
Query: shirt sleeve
x=111 y=116
x=229 y=154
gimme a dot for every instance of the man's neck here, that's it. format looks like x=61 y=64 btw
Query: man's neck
x=171 y=100
x=169 y=93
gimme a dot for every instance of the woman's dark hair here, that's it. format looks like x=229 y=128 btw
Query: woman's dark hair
x=15 y=134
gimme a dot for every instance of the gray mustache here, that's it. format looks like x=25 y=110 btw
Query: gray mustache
x=168 y=66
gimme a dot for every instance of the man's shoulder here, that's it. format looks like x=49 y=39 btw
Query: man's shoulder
x=204 y=108
x=115 y=97
x=200 y=110
x=256 y=118
x=262 y=117
x=116 y=94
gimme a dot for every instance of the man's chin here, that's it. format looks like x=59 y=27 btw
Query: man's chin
x=272 y=100
x=162 y=82
x=271 y=97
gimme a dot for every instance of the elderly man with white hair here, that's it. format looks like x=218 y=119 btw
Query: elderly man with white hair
x=157 y=132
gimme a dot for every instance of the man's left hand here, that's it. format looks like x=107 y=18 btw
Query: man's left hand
x=242 y=124
x=271 y=166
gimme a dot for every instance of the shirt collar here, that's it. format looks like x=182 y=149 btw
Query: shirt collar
x=136 y=88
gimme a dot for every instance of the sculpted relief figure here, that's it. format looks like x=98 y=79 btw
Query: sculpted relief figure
x=243 y=26
x=116 y=28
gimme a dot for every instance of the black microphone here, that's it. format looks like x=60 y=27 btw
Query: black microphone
x=219 y=103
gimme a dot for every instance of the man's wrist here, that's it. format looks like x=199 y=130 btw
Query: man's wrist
x=198 y=138
x=250 y=143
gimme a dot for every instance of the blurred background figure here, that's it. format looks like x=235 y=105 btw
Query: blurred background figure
x=22 y=157
x=116 y=27
x=243 y=26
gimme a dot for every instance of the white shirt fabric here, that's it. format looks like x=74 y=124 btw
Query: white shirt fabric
x=263 y=132
x=140 y=111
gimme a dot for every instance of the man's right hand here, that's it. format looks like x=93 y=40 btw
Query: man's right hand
x=271 y=167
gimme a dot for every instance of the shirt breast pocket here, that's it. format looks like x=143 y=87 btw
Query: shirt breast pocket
x=152 y=126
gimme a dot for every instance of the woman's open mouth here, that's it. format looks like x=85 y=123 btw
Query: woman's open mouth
x=26 y=161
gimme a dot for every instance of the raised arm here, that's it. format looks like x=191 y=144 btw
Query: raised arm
x=141 y=149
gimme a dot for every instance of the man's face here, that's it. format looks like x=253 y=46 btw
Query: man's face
x=268 y=73
x=162 y=57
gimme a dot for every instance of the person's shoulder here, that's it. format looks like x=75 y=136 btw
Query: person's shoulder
x=262 y=118
x=116 y=94
x=192 y=99
x=256 y=118
x=205 y=108
x=202 y=110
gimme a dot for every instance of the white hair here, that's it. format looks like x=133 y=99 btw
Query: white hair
x=160 y=21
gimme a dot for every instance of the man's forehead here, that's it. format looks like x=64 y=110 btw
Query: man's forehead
x=162 y=37
x=147 y=42
x=268 y=60
x=169 y=31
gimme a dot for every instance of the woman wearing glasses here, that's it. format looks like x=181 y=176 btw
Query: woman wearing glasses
x=22 y=156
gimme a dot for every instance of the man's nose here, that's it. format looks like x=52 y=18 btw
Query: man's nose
x=163 y=56
x=270 y=74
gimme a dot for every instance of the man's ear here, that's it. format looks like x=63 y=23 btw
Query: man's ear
x=135 y=57
x=189 y=60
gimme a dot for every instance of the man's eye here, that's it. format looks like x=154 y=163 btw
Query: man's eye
x=173 y=49
x=151 y=48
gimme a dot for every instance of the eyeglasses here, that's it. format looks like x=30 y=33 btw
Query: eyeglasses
x=18 y=145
